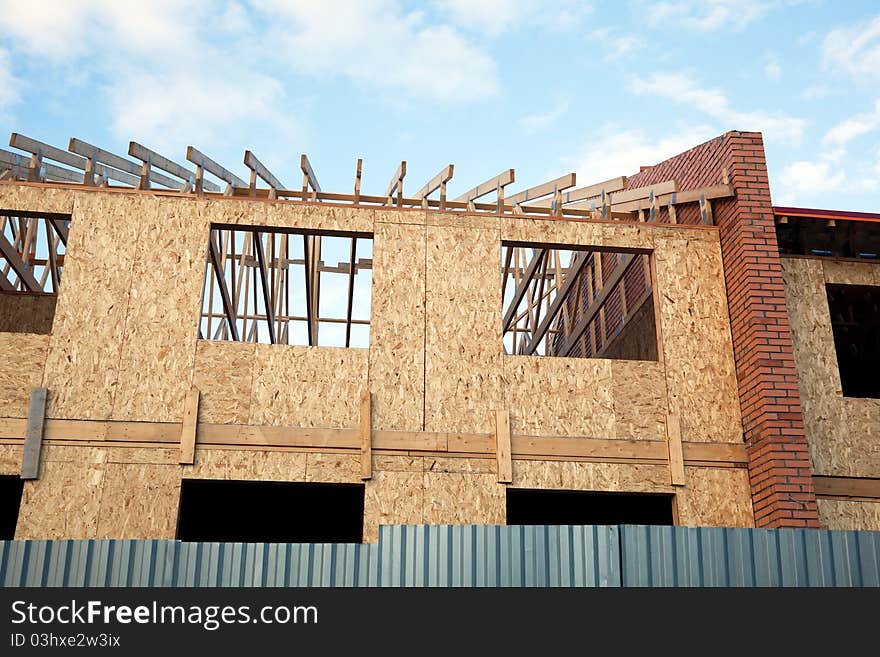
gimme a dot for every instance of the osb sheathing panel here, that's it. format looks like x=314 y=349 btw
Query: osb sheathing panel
x=560 y=396
x=463 y=368
x=317 y=216
x=139 y=501
x=224 y=373
x=247 y=465
x=308 y=386
x=842 y=432
x=392 y=498
x=37 y=199
x=397 y=327
x=333 y=468
x=697 y=347
x=553 y=231
x=458 y=498
x=82 y=366
x=715 y=497
x=65 y=502
x=568 y=475
x=22 y=358
x=851 y=273
x=398 y=463
x=26 y=313
x=849 y=514
x=455 y=464
x=161 y=324
x=638 y=393
x=10 y=459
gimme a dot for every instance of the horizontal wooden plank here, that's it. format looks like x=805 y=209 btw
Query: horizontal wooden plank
x=618 y=199
x=418 y=442
x=434 y=184
x=689 y=196
x=487 y=187
x=118 y=168
x=252 y=163
x=590 y=191
x=198 y=158
x=866 y=488
x=544 y=189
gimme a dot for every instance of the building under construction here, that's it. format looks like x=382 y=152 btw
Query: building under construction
x=188 y=354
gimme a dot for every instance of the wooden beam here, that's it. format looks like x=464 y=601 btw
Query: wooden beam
x=357 y=181
x=673 y=445
x=18 y=164
x=350 y=305
x=585 y=319
x=617 y=200
x=33 y=440
x=61 y=226
x=309 y=178
x=214 y=255
x=311 y=311
x=366 y=436
x=118 y=168
x=151 y=434
x=437 y=182
x=258 y=170
x=544 y=189
x=151 y=159
x=496 y=184
x=689 y=196
x=574 y=271
x=522 y=288
x=396 y=185
x=205 y=163
x=502 y=447
x=189 y=427
x=590 y=191
x=264 y=282
x=24 y=273
x=864 y=488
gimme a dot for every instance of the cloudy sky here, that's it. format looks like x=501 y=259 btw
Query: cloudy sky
x=598 y=88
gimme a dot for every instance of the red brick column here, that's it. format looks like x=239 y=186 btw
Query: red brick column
x=780 y=472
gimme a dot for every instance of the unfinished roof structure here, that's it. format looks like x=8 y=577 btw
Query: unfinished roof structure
x=241 y=360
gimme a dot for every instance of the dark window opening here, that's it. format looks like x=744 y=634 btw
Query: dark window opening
x=576 y=507
x=822 y=238
x=11 y=488
x=270 y=512
x=855 y=322
x=577 y=302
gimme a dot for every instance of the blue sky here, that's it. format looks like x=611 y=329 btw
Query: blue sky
x=546 y=88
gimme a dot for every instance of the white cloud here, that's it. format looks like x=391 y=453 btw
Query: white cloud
x=709 y=15
x=378 y=44
x=854 y=50
x=534 y=122
x=614 y=44
x=853 y=127
x=772 y=67
x=682 y=89
x=9 y=85
x=810 y=177
x=496 y=16
x=617 y=152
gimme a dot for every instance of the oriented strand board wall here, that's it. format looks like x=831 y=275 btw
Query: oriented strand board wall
x=82 y=368
x=224 y=373
x=697 y=347
x=22 y=358
x=849 y=514
x=397 y=326
x=308 y=386
x=843 y=432
x=463 y=359
x=161 y=323
x=26 y=313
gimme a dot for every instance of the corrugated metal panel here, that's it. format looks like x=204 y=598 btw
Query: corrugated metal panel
x=470 y=556
x=715 y=556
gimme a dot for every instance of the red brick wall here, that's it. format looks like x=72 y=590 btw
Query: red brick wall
x=779 y=463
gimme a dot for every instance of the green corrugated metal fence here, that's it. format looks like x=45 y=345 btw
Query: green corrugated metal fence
x=469 y=556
